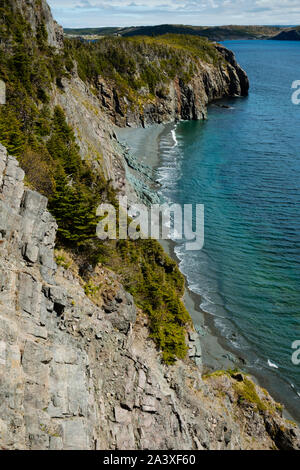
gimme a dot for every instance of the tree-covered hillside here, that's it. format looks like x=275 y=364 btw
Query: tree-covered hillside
x=37 y=133
x=214 y=33
x=141 y=68
x=291 y=34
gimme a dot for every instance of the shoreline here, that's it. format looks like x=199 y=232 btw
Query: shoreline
x=214 y=354
x=216 y=351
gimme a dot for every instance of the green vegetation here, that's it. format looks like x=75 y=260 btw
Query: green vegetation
x=37 y=133
x=220 y=373
x=63 y=259
x=78 y=190
x=292 y=34
x=157 y=286
x=246 y=390
x=91 y=289
x=28 y=66
x=214 y=33
x=138 y=62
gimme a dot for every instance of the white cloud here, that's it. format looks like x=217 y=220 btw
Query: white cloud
x=93 y=13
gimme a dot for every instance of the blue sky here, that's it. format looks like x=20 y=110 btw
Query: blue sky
x=94 y=13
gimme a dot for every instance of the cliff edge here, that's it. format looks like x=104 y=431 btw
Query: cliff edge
x=76 y=375
x=78 y=369
x=166 y=78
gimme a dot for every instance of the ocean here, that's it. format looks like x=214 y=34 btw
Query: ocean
x=243 y=164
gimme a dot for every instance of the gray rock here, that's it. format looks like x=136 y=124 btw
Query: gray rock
x=75 y=436
x=121 y=311
x=31 y=252
x=72 y=376
x=29 y=294
x=195 y=349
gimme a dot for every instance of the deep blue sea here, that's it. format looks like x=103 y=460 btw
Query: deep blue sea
x=243 y=164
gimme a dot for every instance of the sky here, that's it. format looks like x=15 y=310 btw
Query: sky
x=97 y=13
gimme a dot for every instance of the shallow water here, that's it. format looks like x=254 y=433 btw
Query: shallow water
x=243 y=163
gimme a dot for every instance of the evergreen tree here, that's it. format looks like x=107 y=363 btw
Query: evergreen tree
x=11 y=134
x=62 y=145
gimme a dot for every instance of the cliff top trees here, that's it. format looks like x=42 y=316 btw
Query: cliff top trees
x=37 y=133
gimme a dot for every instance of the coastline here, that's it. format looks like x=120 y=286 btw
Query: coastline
x=144 y=145
x=216 y=351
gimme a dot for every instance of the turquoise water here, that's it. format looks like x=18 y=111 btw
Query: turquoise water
x=243 y=164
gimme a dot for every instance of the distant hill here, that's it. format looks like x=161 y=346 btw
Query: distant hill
x=108 y=31
x=214 y=33
x=288 y=35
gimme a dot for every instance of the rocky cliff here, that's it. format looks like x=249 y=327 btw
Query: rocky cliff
x=93 y=129
x=82 y=373
x=177 y=98
x=38 y=13
x=76 y=375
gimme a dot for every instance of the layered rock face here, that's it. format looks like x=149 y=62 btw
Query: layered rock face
x=178 y=100
x=38 y=12
x=93 y=129
x=74 y=375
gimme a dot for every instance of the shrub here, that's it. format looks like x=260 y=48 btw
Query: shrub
x=38 y=171
x=46 y=147
x=135 y=62
x=157 y=286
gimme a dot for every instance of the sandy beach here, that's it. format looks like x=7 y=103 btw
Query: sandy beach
x=143 y=143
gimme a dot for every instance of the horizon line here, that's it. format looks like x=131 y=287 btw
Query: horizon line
x=182 y=24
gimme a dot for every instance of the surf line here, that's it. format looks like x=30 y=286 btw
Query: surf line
x=173 y=132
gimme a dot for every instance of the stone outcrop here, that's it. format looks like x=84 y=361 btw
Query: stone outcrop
x=239 y=82
x=177 y=99
x=38 y=12
x=93 y=129
x=76 y=375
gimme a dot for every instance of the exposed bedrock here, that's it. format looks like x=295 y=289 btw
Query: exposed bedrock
x=75 y=375
x=178 y=99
